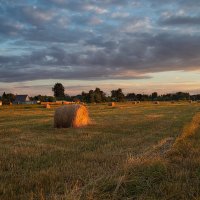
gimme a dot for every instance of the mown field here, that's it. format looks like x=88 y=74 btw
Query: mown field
x=142 y=151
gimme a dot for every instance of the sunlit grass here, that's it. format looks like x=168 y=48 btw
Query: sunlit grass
x=109 y=159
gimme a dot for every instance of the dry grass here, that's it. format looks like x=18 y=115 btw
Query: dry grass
x=124 y=155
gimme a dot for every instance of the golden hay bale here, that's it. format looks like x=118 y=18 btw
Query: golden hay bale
x=1 y=103
x=156 y=102
x=66 y=102
x=44 y=103
x=138 y=101
x=111 y=104
x=58 y=102
x=47 y=106
x=134 y=102
x=74 y=115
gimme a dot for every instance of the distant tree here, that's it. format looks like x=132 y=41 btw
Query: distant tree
x=118 y=95
x=68 y=98
x=43 y=98
x=181 y=96
x=145 y=97
x=99 y=95
x=91 y=98
x=84 y=97
x=131 y=96
x=51 y=99
x=59 y=90
x=154 y=96
x=4 y=96
x=139 y=97
x=8 y=98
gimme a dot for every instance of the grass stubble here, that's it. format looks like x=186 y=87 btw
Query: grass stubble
x=141 y=151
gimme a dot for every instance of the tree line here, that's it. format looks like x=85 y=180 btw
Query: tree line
x=99 y=96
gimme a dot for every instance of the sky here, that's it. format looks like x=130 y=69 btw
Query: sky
x=140 y=46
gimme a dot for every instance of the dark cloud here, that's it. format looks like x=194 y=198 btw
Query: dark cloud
x=180 y=20
x=108 y=39
x=137 y=55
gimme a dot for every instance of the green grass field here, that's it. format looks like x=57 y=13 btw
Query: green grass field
x=142 y=151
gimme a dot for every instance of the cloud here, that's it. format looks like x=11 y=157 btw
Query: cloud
x=95 y=9
x=181 y=20
x=103 y=40
x=131 y=57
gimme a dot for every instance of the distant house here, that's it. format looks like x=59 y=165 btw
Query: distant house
x=22 y=99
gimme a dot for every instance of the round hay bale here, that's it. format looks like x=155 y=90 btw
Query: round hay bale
x=156 y=102
x=111 y=104
x=66 y=102
x=47 y=106
x=134 y=102
x=74 y=115
x=138 y=102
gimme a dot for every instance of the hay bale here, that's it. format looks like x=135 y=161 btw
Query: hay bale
x=111 y=104
x=74 y=115
x=44 y=103
x=58 y=102
x=134 y=102
x=47 y=106
x=1 y=103
x=138 y=102
x=156 y=102
x=66 y=102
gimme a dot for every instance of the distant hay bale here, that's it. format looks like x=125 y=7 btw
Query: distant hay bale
x=0 y=103
x=138 y=102
x=156 y=102
x=111 y=104
x=172 y=102
x=66 y=102
x=58 y=102
x=134 y=102
x=74 y=115
x=47 y=106
x=44 y=103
